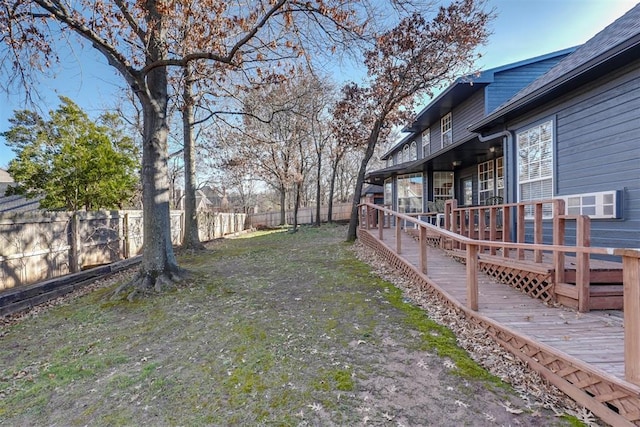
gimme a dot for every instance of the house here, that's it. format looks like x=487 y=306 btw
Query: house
x=574 y=133
x=440 y=158
x=14 y=203
x=564 y=125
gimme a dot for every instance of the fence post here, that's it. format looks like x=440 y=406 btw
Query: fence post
x=631 y=310
x=74 y=243
x=125 y=235
x=583 y=269
x=472 y=276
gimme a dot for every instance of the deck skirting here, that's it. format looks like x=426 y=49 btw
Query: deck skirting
x=610 y=398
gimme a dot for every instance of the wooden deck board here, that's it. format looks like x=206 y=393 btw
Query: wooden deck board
x=595 y=338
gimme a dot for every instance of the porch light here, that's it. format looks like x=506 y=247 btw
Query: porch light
x=456 y=163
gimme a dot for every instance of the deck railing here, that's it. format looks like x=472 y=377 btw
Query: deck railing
x=375 y=216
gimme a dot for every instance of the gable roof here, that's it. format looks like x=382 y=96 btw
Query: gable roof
x=459 y=91
x=617 y=44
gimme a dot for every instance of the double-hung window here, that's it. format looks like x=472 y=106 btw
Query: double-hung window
x=446 y=131
x=485 y=182
x=535 y=164
x=426 y=143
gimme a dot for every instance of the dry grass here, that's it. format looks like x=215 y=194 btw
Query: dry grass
x=270 y=329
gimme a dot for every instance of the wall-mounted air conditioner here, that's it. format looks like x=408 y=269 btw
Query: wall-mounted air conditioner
x=599 y=205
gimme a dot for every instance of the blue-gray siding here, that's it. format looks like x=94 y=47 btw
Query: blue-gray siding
x=598 y=148
x=509 y=82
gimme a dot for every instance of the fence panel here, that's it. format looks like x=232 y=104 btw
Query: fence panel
x=306 y=215
x=43 y=245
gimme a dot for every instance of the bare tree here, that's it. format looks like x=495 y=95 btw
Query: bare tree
x=136 y=39
x=407 y=62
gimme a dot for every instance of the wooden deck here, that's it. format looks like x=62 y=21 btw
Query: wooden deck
x=580 y=353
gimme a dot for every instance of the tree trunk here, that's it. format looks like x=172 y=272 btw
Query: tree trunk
x=159 y=268
x=296 y=206
x=371 y=145
x=283 y=219
x=318 y=189
x=191 y=239
x=332 y=186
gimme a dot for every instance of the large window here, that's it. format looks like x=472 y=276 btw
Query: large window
x=535 y=163
x=410 y=193
x=442 y=186
x=445 y=129
x=426 y=143
x=485 y=182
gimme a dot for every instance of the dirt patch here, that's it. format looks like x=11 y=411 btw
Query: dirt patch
x=272 y=328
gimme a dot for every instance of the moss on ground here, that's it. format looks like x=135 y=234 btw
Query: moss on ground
x=270 y=328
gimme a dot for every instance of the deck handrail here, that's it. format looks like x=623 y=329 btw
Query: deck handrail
x=630 y=265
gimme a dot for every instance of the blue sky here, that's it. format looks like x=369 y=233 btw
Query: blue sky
x=522 y=29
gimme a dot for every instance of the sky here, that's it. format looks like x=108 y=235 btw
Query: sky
x=522 y=29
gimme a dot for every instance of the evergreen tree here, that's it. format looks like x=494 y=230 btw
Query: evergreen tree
x=70 y=161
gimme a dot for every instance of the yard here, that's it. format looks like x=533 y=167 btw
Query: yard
x=271 y=329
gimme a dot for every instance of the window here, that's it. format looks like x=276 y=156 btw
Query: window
x=485 y=182
x=535 y=164
x=500 y=177
x=410 y=193
x=406 y=156
x=413 y=151
x=445 y=129
x=388 y=191
x=426 y=143
x=399 y=157
x=442 y=186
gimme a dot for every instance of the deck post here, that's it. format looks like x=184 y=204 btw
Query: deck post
x=631 y=309
x=481 y=226
x=537 y=231
x=558 y=239
x=380 y=223
x=506 y=229
x=521 y=230
x=423 y=249
x=472 y=276
x=398 y=236
x=493 y=227
x=583 y=269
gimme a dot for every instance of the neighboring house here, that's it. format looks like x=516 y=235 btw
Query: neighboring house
x=12 y=204
x=574 y=133
x=207 y=199
x=5 y=181
x=440 y=158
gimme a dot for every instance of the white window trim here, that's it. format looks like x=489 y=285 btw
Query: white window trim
x=490 y=171
x=413 y=150
x=547 y=212
x=426 y=142
x=446 y=119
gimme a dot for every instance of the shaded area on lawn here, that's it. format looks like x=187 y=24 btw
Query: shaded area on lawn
x=271 y=328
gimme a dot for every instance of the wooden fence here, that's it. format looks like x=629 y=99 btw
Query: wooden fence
x=42 y=245
x=341 y=212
